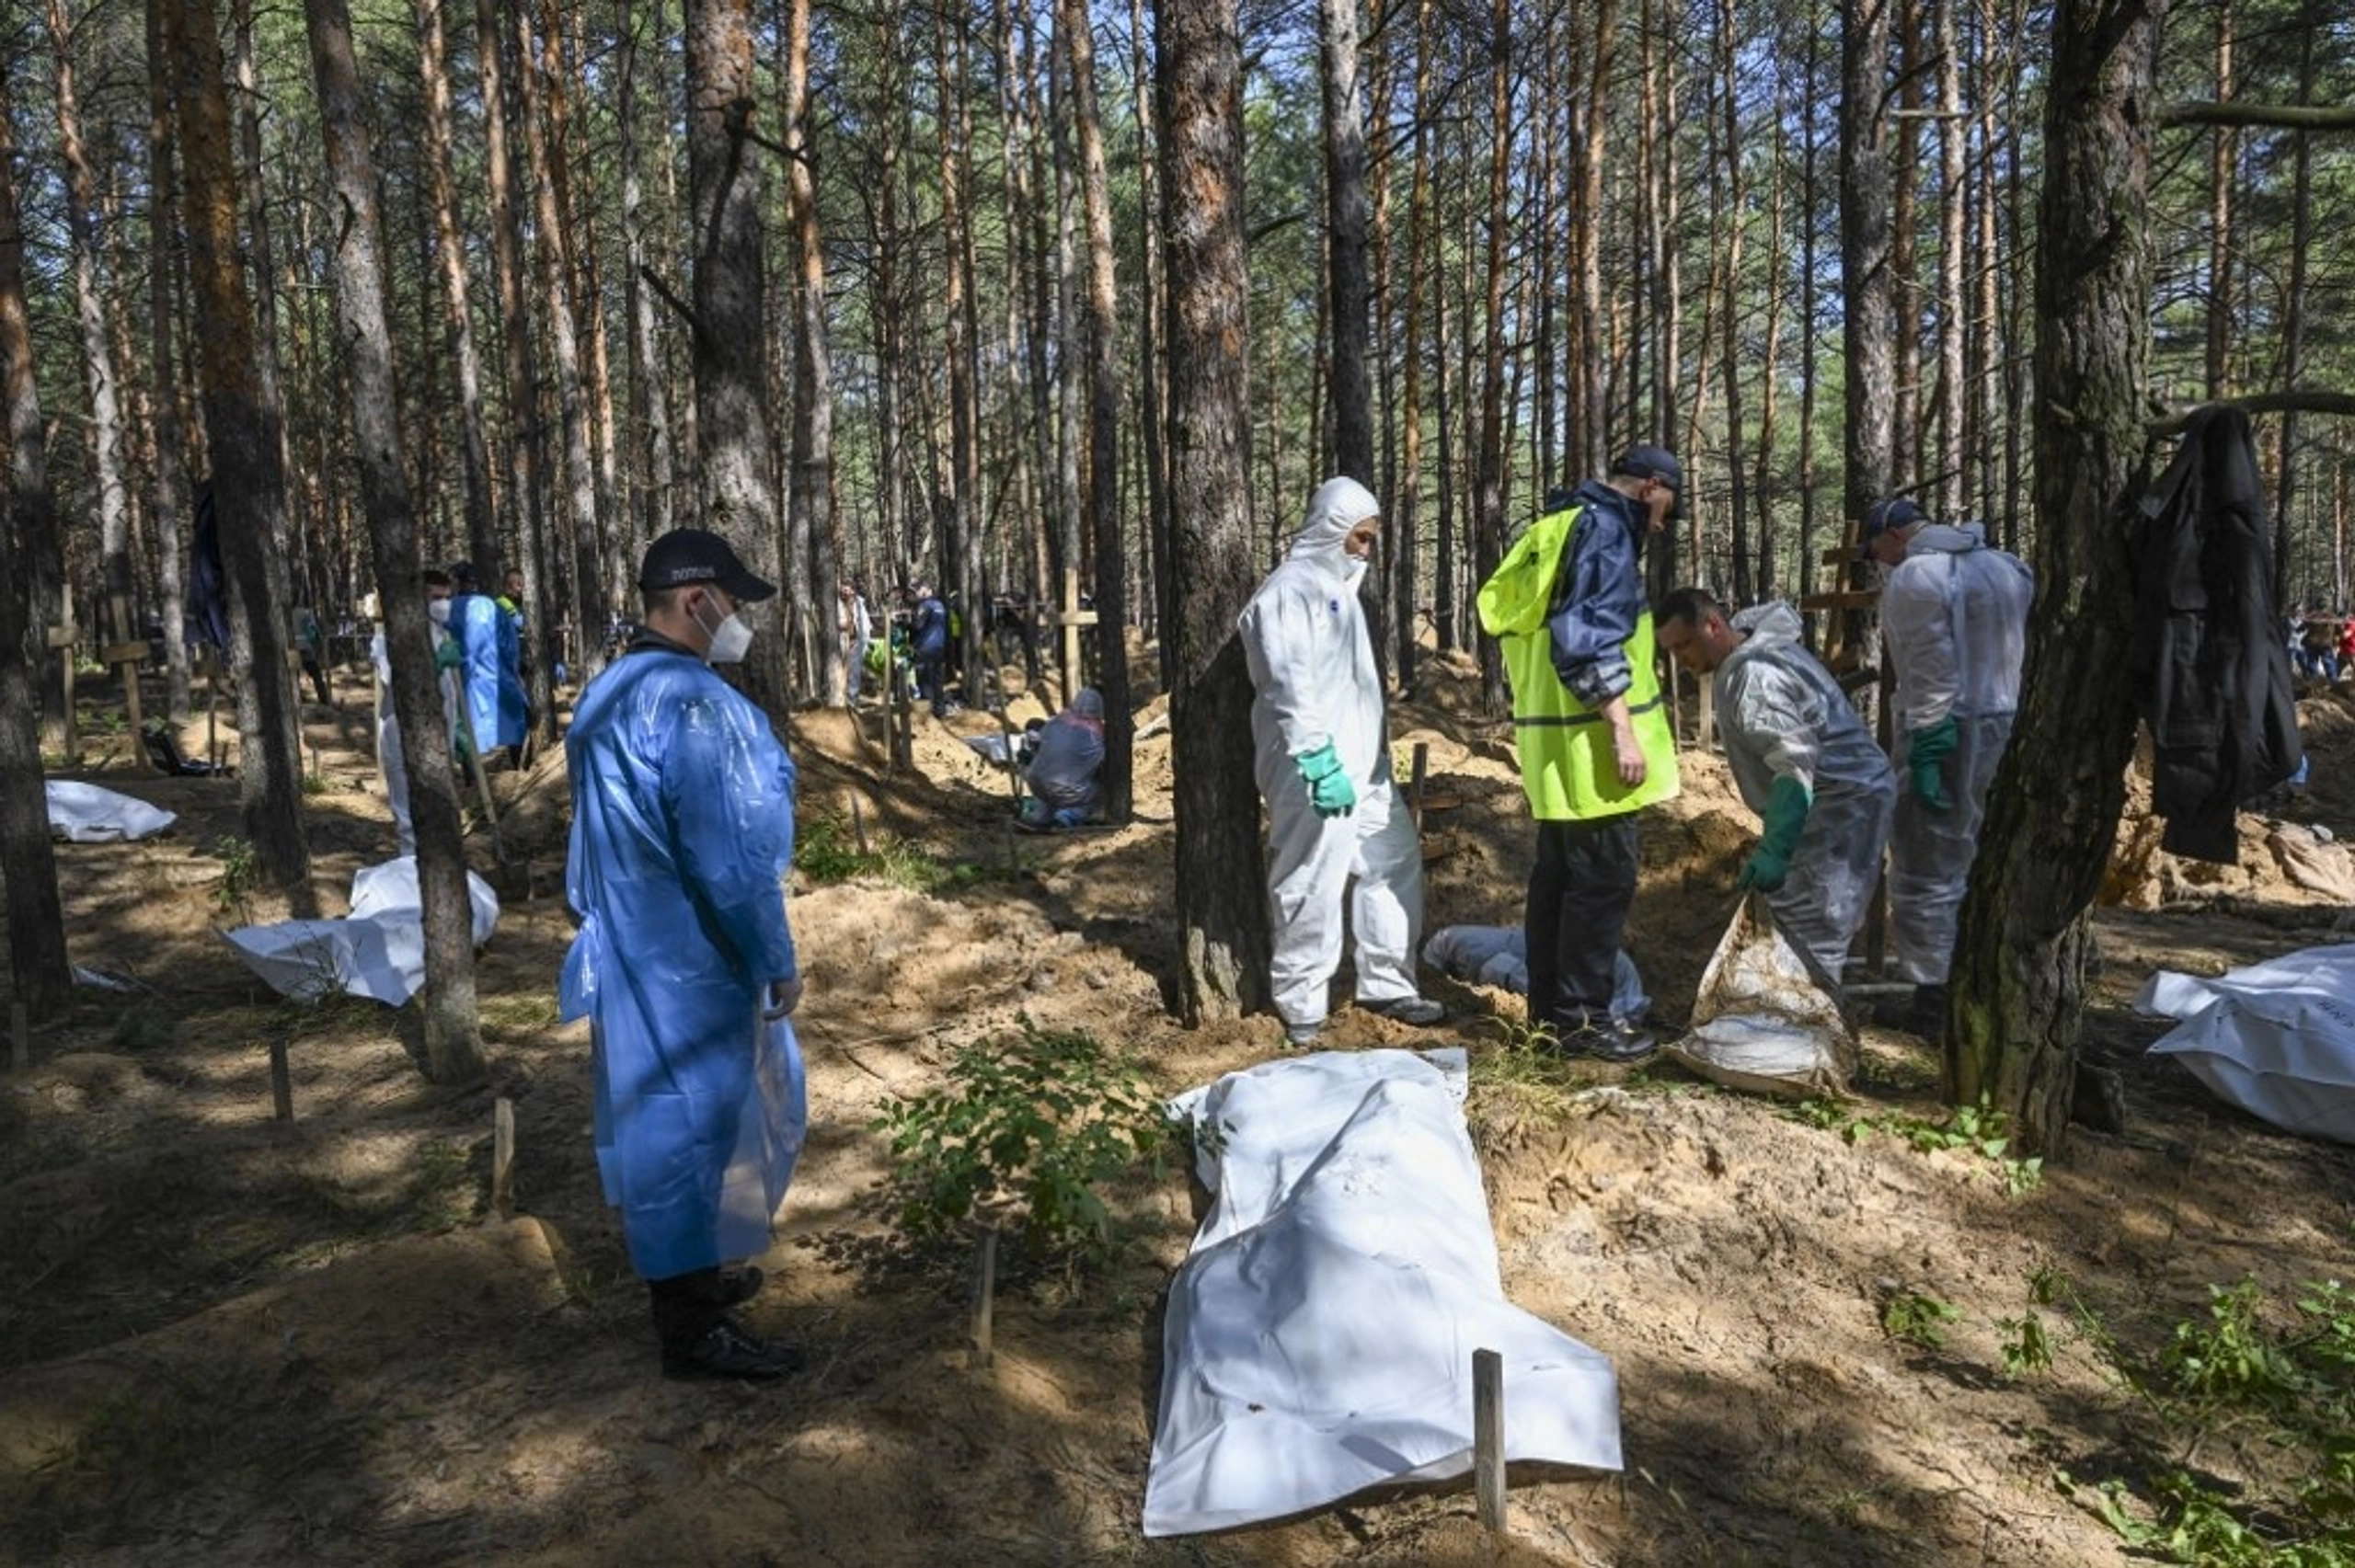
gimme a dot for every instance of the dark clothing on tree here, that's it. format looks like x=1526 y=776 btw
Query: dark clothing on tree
x=2211 y=675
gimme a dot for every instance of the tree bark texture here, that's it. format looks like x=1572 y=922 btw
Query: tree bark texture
x=730 y=299
x=2017 y=994
x=242 y=428
x=1222 y=892
x=1345 y=240
x=453 y=1039
x=43 y=979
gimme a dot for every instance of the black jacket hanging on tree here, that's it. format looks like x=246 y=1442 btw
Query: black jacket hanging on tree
x=2211 y=674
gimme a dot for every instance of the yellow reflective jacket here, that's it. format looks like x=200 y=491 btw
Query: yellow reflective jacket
x=1568 y=767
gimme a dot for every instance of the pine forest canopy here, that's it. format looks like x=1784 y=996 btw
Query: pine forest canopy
x=1668 y=229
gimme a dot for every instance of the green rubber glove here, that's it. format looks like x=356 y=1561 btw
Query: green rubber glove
x=1788 y=803
x=1925 y=757
x=1329 y=783
x=448 y=654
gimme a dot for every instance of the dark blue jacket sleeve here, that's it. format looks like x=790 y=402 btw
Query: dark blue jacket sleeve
x=1593 y=622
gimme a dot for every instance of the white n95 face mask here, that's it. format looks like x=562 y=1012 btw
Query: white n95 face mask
x=439 y=610
x=729 y=639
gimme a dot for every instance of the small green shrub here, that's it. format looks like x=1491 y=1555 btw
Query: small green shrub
x=824 y=852
x=1918 y=1319
x=1970 y=1130
x=1032 y=1126
x=241 y=869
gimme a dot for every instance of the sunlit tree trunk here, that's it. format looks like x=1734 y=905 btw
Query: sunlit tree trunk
x=732 y=325
x=1103 y=412
x=651 y=475
x=2293 y=327
x=2015 y=1008
x=449 y=253
x=2222 y=156
x=1222 y=893
x=811 y=493
x=453 y=1036
x=99 y=378
x=242 y=428
x=1405 y=506
x=170 y=499
x=1867 y=285
x=1489 y=479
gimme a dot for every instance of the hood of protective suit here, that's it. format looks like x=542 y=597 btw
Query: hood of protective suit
x=1089 y=704
x=1773 y=621
x=1338 y=505
x=1952 y=538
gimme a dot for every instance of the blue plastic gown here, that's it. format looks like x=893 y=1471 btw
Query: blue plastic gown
x=681 y=831
x=493 y=671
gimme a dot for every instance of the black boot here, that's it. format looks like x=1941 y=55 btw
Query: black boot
x=702 y=1339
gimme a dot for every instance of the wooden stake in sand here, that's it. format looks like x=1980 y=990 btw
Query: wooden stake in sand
x=985 y=1296
x=282 y=1081
x=1488 y=1437
x=502 y=1156
x=1415 y=788
x=858 y=828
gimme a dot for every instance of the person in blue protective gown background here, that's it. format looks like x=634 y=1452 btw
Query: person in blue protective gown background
x=497 y=711
x=681 y=833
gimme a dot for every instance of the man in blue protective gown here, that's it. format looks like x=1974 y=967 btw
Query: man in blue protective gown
x=682 y=833
x=491 y=670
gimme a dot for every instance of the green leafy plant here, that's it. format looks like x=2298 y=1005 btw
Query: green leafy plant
x=1917 y=1318
x=2287 y=1378
x=1969 y=1129
x=824 y=852
x=1031 y=1127
x=241 y=869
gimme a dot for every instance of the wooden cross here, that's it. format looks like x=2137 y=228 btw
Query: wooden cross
x=1071 y=618
x=63 y=639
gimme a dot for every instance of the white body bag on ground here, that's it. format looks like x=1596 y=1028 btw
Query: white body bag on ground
x=2276 y=1039
x=379 y=952
x=1319 y=1336
x=85 y=814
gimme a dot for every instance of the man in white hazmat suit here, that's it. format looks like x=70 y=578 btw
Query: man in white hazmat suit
x=1954 y=615
x=1324 y=768
x=1802 y=759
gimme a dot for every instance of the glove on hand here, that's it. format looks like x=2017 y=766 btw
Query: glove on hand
x=448 y=654
x=1787 y=805
x=1925 y=757
x=1330 y=789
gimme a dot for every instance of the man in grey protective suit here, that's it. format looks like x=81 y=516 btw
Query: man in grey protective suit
x=1954 y=616
x=1802 y=759
x=1323 y=763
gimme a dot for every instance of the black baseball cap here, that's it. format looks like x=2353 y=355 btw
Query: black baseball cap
x=686 y=556
x=1655 y=462
x=1895 y=511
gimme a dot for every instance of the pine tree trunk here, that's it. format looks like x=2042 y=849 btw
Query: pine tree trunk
x=732 y=326
x=536 y=77
x=1489 y=479
x=1222 y=890
x=813 y=390
x=43 y=978
x=452 y=1038
x=1405 y=506
x=1947 y=466
x=99 y=374
x=171 y=496
x=449 y=253
x=2223 y=157
x=1867 y=290
x=2017 y=992
x=242 y=428
x=1103 y=415
x=1344 y=236
x=651 y=476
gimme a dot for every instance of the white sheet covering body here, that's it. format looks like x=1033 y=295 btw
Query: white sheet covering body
x=2275 y=1038
x=85 y=814
x=379 y=952
x=1319 y=1335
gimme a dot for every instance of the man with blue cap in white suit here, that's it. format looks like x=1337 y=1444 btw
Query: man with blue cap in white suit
x=1323 y=762
x=681 y=833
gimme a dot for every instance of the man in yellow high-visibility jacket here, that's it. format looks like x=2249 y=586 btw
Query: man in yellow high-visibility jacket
x=1568 y=605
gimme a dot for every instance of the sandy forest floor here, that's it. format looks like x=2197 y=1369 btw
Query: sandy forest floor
x=229 y=1339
